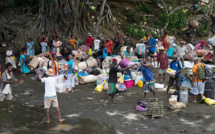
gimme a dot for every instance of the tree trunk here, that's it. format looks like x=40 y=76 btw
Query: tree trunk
x=100 y=16
x=209 y=19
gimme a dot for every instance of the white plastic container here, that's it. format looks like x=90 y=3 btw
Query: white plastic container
x=183 y=97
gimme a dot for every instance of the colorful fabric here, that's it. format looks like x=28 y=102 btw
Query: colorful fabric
x=128 y=55
x=72 y=42
x=149 y=85
x=111 y=88
x=198 y=88
x=121 y=87
x=43 y=45
x=30 y=48
x=141 y=48
x=24 y=68
x=54 y=66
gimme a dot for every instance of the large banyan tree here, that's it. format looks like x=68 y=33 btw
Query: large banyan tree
x=57 y=17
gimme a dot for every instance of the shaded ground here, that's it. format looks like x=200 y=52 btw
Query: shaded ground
x=85 y=114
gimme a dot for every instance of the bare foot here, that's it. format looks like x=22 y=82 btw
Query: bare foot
x=47 y=121
x=72 y=91
x=103 y=103
x=61 y=120
x=65 y=92
x=9 y=111
x=113 y=102
x=193 y=101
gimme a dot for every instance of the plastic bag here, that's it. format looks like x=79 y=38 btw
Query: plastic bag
x=121 y=87
x=137 y=80
x=139 y=108
x=106 y=86
x=121 y=79
x=99 y=88
x=209 y=101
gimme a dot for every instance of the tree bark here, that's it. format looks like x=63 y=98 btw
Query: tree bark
x=209 y=19
x=100 y=16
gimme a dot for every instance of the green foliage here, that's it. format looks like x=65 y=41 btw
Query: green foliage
x=161 y=21
x=135 y=30
x=205 y=10
x=183 y=1
x=177 y=20
x=202 y=29
x=145 y=8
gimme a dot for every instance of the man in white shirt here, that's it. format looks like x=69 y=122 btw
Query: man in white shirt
x=181 y=51
x=97 y=42
x=50 y=97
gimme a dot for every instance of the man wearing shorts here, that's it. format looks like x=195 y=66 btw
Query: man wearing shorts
x=197 y=85
x=162 y=62
x=149 y=83
x=50 y=97
x=152 y=48
x=113 y=80
x=6 y=85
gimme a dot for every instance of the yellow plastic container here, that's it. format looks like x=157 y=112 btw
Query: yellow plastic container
x=140 y=83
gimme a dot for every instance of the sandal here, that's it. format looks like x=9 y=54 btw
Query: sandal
x=202 y=101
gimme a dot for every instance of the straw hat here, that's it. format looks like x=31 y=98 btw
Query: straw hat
x=161 y=49
x=50 y=72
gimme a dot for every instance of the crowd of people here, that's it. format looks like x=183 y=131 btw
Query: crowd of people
x=99 y=48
